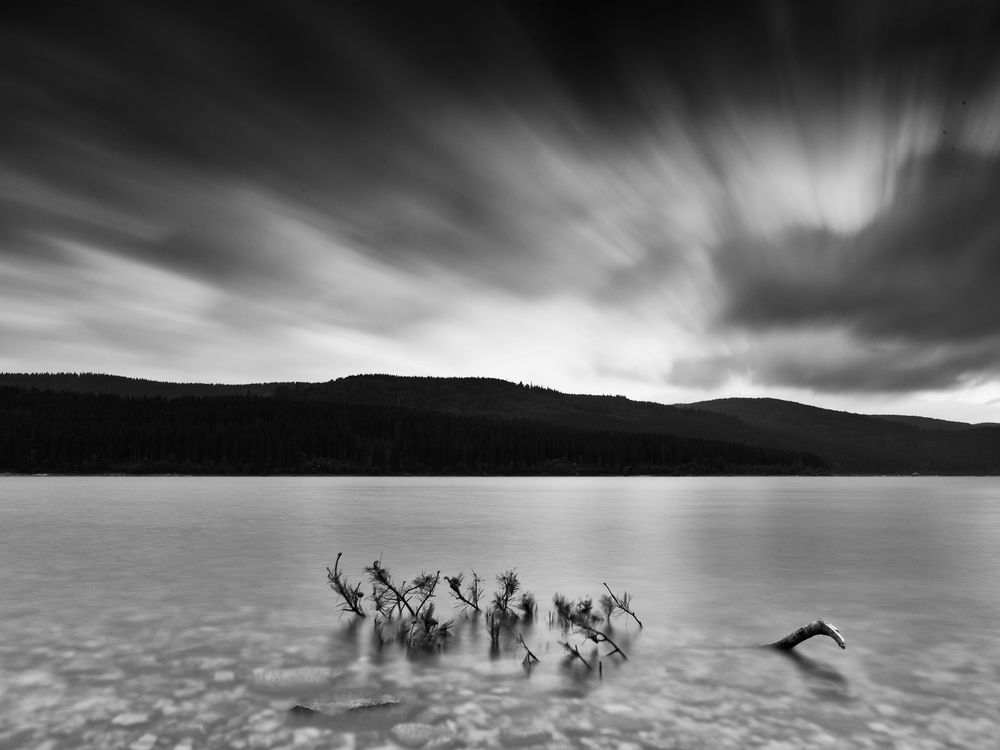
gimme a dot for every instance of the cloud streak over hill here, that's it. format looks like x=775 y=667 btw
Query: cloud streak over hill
x=668 y=200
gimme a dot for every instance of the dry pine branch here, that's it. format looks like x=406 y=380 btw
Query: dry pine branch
x=352 y=595
x=472 y=594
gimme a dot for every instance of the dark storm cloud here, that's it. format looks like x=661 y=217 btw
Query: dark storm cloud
x=337 y=107
x=886 y=369
x=924 y=271
x=832 y=363
x=915 y=288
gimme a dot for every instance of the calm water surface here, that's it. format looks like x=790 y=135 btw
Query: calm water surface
x=145 y=612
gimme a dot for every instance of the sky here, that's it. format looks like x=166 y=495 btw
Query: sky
x=673 y=201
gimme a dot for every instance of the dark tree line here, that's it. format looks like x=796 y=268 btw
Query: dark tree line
x=46 y=431
x=91 y=382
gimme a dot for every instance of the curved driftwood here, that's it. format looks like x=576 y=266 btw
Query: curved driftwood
x=816 y=627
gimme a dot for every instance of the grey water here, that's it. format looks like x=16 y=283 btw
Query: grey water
x=142 y=612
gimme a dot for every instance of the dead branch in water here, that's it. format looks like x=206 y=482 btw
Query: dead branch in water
x=473 y=592
x=352 y=595
x=621 y=606
x=502 y=614
x=425 y=584
x=529 y=657
x=386 y=596
x=426 y=632
x=580 y=615
x=574 y=652
x=816 y=627
x=509 y=585
x=421 y=630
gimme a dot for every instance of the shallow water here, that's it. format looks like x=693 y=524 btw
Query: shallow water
x=139 y=612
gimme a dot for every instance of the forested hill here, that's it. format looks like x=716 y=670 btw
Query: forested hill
x=288 y=433
x=389 y=416
x=487 y=397
x=847 y=443
x=117 y=385
x=505 y=400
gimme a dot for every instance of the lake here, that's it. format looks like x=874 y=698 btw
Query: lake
x=181 y=612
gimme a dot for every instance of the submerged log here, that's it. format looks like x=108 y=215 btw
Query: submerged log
x=816 y=627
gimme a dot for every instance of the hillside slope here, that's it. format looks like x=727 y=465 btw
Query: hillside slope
x=505 y=400
x=859 y=443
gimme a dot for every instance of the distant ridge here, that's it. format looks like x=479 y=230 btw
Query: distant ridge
x=804 y=411
x=118 y=385
x=929 y=423
x=839 y=441
x=861 y=443
x=506 y=400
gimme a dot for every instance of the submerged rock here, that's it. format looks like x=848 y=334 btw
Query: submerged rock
x=445 y=742
x=414 y=734
x=215 y=663
x=526 y=737
x=146 y=742
x=189 y=688
x=339 y=708
x=71 y=725
x=130 y=719
x=290 y=679
x=435 y=715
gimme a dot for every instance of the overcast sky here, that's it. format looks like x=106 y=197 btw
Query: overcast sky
x=671 y=201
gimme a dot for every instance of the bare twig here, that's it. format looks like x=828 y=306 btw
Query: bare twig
x=574 y=652
x=598 y=637
x=623 y=604
x=529 y=657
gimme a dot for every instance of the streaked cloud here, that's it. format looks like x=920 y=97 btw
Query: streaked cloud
x=667 y=200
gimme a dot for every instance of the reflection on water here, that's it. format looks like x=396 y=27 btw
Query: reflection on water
x=811 y=668
x=176 y=613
